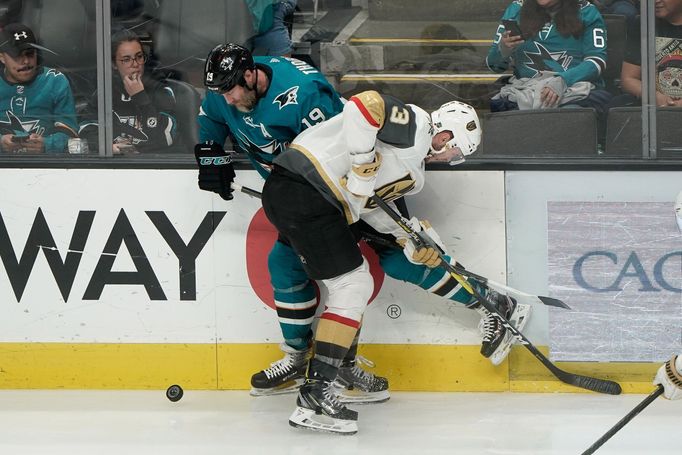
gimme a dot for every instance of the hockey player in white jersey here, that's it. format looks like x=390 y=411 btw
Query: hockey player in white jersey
x=320 y=187
x=669 y=375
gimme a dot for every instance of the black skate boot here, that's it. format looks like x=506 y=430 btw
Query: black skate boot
x=497 y=340
x=355 y=385
x=319 y=409
x=283 y=376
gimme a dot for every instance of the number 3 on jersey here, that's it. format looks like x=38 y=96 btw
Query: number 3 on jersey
x=315 y=116
x=399 y=115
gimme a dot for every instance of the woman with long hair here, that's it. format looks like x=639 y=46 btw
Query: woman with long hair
x=557 y=49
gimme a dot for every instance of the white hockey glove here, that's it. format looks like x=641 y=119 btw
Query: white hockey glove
x=427 y=256
x=670 y=377
x=360 y=180
x=678 y=211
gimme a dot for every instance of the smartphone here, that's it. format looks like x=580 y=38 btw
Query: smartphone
x=19 y=139
x=512 y=27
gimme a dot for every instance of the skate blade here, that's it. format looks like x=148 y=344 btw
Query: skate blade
x=519 y=319
x=356 y=396
x=308 y=419
x=288 y=387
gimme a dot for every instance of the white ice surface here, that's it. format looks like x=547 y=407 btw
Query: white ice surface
x=226 y=423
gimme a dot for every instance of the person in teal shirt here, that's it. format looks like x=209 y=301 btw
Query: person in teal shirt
x=32 y=97
x=566 y=38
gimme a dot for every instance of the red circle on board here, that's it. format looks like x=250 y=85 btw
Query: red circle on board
x=261 y=236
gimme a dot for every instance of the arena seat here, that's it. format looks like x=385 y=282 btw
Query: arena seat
x=624 y=132
x=188 y=101
x=559 y=133
x=189 y=29
x=616 y=28
x=70 y=38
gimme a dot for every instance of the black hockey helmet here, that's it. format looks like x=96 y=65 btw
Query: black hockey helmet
x=225 y=67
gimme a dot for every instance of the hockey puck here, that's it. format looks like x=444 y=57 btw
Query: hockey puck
x=174 y=393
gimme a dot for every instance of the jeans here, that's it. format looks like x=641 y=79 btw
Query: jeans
x=276 y=41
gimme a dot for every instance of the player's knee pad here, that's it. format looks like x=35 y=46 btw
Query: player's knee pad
x=350 y=292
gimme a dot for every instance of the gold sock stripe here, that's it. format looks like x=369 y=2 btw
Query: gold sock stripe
x=334 y=332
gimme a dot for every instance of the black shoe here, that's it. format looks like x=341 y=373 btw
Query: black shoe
x=283 y=376
x=318 y=408
x=491 y=327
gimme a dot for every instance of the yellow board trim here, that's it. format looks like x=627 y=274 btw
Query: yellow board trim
x=409 y=367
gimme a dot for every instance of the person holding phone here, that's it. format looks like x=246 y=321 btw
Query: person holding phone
x=557 y=50
x=32 y=97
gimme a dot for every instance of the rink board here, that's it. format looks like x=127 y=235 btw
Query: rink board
x=135 y=279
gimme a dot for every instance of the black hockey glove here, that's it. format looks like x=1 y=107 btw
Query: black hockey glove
x=216 y=172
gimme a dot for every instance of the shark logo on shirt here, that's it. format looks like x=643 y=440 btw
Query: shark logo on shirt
x=13 y=125
x=290 y=96
x=544 y=60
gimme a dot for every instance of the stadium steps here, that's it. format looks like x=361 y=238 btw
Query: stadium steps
x=421 y=62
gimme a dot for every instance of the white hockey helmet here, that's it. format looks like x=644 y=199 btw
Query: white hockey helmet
x=462 y=120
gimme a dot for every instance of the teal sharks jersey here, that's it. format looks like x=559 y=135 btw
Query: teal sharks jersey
x=34 y=107
x=575 y=60
x=298 y=97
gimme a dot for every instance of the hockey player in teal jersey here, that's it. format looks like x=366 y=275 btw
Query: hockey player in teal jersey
x=264 y=103
x=290 y=97
x=32 y=97
x=565 y=37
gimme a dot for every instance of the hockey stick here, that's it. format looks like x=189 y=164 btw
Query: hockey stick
x=585 y=382
x=622 y=422
x=246 y=190
x=485 y=282
x=549 y=301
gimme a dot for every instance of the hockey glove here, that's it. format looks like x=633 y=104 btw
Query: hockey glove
x=670 y=377
x=216 y=172
x=428 y=255
x=360 y=180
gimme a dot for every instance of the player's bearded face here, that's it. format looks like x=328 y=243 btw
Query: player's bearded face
x=242 y=98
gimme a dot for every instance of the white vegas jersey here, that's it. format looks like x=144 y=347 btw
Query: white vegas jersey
x=324 y=155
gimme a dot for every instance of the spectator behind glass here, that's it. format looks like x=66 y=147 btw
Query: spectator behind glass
x=560 y=62
x=143 y=107
x=32 y=97
x=668 y=59
x=272 y=34
x=627 y=8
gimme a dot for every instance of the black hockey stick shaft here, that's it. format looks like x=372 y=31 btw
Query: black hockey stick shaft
x=549 y=301
x=628 y=417
x=485 y=282
x=585 y=382
x=246 y=190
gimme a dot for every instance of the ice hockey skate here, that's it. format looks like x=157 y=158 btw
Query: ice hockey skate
x=319 y=409
x=283 y=376
x=356 y=385
x=497 y=340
